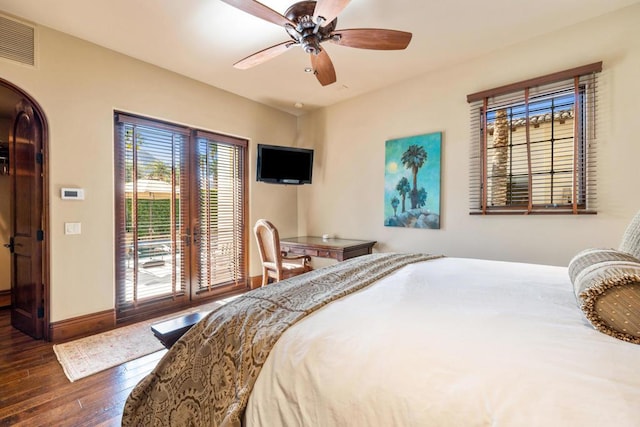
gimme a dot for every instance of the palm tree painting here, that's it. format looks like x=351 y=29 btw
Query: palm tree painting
x=412 y=175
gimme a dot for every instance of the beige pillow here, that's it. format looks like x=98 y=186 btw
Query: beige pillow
x=631 y=239
x=588 y=258
x=607 y=285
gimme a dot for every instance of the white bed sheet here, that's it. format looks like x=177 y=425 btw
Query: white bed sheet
x=451 y=342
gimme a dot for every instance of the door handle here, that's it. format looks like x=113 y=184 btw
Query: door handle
x=196 y=234
x=11 y=245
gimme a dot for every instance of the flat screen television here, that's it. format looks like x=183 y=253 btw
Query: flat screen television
x=284 y=165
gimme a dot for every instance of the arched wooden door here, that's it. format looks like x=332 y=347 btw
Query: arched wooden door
x=26 y=244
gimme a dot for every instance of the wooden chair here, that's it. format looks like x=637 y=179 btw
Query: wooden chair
x=276 y=264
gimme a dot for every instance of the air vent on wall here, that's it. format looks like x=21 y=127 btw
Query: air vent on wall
x=17 y=41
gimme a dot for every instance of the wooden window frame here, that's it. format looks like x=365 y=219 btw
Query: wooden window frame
x=582 y=84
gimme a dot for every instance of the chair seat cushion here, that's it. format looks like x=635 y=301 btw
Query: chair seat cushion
x=286 y=266
x=289 y=266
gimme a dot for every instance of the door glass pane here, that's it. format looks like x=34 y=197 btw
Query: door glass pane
x=221 y=231
x=154 y=214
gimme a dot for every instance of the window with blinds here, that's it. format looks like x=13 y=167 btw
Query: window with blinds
x=221 y=225
x=534 y=144
x=180 y=214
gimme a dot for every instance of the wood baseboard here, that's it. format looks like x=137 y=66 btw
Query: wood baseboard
x=5 y=298
x=94 y=323
x=82 y=326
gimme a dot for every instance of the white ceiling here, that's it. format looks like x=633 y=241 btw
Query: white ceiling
x=203 y=38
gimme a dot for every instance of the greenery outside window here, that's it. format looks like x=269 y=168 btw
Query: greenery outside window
x=534 y=145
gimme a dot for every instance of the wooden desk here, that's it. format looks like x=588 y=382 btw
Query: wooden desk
x=339 y=249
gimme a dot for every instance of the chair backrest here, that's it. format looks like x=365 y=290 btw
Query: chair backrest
x=631 y=239
x=268 y=242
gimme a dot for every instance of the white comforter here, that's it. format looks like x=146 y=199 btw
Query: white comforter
x=451 y=342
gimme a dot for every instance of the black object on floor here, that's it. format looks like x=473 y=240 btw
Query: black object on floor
x=169 y=331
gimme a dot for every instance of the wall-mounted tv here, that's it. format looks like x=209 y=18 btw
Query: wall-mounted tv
x=284 y=165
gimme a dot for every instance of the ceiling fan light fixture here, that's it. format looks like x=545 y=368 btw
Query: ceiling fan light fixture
x=311 y=44
x=293 y=32
x=319 y=21
x=311 y=50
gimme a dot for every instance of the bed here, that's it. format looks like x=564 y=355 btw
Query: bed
x=419 y=340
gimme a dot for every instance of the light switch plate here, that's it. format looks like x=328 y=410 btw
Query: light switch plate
x=72 y=228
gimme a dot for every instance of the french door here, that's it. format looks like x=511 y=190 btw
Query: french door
x=180 y=215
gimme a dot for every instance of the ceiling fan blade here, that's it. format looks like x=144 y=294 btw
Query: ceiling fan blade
x=373 y=38
x=323 y=68
x=259 y=10
x=264 y=55
x=329 y=9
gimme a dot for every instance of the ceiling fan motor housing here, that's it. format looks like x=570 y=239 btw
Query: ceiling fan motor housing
x=306 y=29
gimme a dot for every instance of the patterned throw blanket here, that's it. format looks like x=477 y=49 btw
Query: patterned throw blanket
x=207 y=376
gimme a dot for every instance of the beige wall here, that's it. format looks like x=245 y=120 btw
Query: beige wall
x=346 y=197
x=78 y=85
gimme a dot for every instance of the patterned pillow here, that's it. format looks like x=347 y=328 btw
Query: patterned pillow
x=607 y=285
x=631 y=239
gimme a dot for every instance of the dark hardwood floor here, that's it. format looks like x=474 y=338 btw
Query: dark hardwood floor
x=34 y=390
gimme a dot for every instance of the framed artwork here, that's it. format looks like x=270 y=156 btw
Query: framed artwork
x=412 y=181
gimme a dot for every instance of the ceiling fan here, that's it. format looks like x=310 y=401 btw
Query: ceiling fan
x=310 y=23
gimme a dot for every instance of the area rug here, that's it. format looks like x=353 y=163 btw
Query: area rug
x=90 y=355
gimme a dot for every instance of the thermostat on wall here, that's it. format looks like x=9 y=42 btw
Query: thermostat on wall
x=72 y=193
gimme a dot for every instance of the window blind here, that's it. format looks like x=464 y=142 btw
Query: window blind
x=221 y=226
x=534 y=145
x=151 y=183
